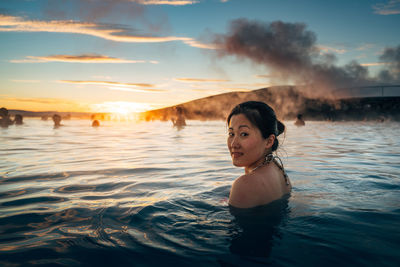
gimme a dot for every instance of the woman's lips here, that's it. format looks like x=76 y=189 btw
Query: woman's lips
x=236 y=155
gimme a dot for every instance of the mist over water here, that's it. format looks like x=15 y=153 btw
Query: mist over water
x=149 y=194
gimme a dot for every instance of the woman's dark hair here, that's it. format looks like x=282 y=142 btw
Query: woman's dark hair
x=262 y=116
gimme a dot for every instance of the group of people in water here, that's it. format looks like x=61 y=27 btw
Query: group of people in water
x=5 y=119
x=252 y=141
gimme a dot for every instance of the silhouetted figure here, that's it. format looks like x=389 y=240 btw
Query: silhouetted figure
x=57 y=120
x=299 y=121
x=95 y=123
x=179 y=119
x=18 y=119
x=5 y=119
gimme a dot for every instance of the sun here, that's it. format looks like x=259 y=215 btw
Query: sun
x=121 y=110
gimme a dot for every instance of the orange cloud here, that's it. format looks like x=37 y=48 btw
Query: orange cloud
x=327 y=49
x=198 y=44
x=199 y=80
x=40 y=100
x=43 y=104
x=166 y=2
x=131 y=87
x=85 y=58
x=264 y=76
x=104 y=31
x=374 y=64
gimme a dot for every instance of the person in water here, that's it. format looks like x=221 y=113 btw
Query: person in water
x=179 y=120
x=18 y=119
x=57 y=120
x=299 y=121
x=253 y=131
x=5 y=119
x=95 y=123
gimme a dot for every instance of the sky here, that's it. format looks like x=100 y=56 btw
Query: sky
x=136 y=55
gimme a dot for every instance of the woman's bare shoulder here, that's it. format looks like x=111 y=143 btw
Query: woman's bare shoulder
x=256 y=189
x=243 y=192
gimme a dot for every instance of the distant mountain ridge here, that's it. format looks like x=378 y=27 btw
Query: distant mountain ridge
x=287 y=101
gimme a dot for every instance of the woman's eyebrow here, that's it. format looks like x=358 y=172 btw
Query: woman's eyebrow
x=240 y=126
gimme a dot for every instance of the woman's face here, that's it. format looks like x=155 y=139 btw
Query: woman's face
x=245 y=143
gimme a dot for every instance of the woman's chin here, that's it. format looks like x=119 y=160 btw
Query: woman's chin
x=237 y=164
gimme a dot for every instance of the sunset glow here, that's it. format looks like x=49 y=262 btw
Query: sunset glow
x=136 y=55
x=120 y=107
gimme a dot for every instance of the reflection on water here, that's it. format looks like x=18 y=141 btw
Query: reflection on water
x=150 y=194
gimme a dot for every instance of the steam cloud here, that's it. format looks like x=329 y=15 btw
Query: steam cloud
x=392 y=57
x=290 y=52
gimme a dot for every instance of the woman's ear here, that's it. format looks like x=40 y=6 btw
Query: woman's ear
x=270 y=141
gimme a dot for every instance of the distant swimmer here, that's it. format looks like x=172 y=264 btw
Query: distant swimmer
x=18 y=119
x=299 y=121
x=252 y=140
x=57 y=120
x=179 y=119
x=95 y=123
x=5 y=119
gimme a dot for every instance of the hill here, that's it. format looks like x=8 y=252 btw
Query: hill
x=287 y=102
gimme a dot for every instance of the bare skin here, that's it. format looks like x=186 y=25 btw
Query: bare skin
x=248 y=149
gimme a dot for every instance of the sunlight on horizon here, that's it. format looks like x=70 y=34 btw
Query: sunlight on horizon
x=121 y=110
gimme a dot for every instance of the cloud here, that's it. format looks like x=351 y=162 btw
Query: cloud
x=391 y=56
x=39 y=100
x=131 y=87
x=373 y=64
x=198 y=44
x=327 y=49
x=85 y=58
x=365 y=47
x=166 y=2
x=290 y=53
x=264 y=76
x=199 y=80
x=109 y=32
x=392 y=7
x=223 y=87
x=25 y=81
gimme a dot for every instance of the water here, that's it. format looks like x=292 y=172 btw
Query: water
x=146 y=194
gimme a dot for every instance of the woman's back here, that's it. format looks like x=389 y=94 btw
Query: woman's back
x=260 y=187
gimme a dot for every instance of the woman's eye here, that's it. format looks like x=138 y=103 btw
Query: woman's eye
x=244 y=134
x=230 y=134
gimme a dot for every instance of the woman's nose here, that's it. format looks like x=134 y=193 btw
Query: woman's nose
x=234 y=142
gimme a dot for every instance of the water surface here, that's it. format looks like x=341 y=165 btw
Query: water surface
x=140 y=194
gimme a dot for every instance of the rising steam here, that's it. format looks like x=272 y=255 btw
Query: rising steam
x=392 y=57
x=290 y=52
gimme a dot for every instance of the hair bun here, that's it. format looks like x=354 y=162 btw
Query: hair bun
x=281 y=127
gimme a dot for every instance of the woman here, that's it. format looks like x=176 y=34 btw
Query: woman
x=253 y=131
